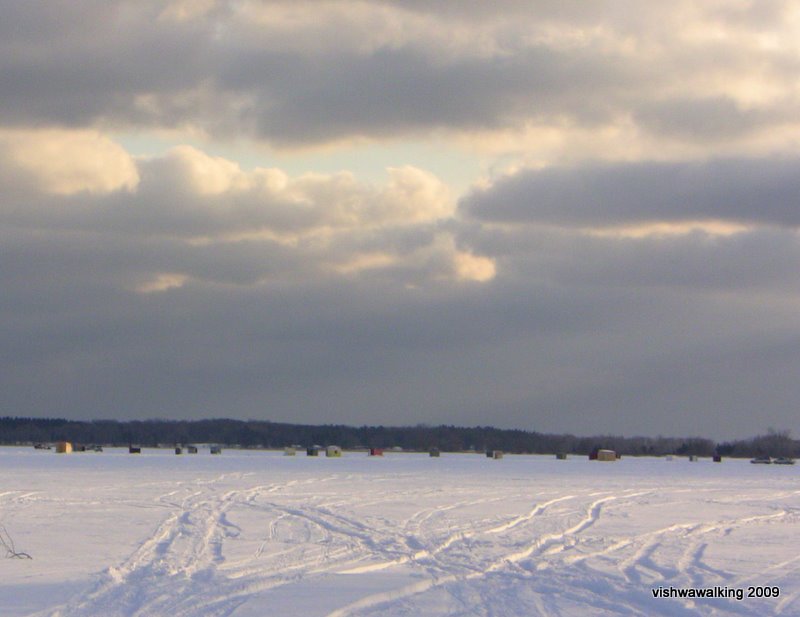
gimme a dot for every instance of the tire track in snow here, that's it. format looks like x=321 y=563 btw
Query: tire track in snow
x=591 y=517
x=360 y=539
x=176 y=571
x=592 y=514
x=244 y=582
x=690 y=565
x=460 y=536
x=170 y=573
x=647 y=544
x=326 y=540
x=414 y=524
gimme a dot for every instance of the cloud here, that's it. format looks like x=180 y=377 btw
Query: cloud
x=66 y=162
x=186 y=10
x=702 y=119
x=229 y=226
x=194 y=193
x=755 y=191
x=162 y=282
x=627 y=262
x=382 y=304
x=653 y=338
x=758 y=260
x=300 y=74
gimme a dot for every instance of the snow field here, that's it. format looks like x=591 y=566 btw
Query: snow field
x=255 y=533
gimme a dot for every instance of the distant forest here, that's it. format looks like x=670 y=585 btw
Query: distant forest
x=264 y=434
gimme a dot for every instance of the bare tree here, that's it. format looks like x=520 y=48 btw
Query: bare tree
x=8 y=543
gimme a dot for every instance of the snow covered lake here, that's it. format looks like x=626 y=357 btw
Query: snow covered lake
x=249 y=534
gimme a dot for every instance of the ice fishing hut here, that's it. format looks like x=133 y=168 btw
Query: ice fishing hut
x=375 y=452
x=561 y=456
x=191 y=449
x=693 y=458
x=434 y=452
x=717 y=458
x=178 y=450
x=606 y=455
x=289 y=451
x=312 y=451
x=216 y=450
x=495 y=454
x=333 y=451
x=134 y=450
x=63 y=447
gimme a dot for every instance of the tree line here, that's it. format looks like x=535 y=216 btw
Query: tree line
x=447 y=438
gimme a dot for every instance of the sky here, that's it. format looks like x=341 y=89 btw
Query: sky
x=549 y=215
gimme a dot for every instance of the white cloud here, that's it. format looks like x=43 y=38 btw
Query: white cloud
x=162 y=282
x=66 y=162
x=200 y=195
x=185 y=10
x=200 y=173
x=250 y=227
x=441 y=260
x=469 y=267
x=413 y=195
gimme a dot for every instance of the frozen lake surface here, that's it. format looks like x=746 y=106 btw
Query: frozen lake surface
x=248 y=534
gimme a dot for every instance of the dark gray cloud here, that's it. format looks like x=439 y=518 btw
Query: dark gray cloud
x=77 y=64
x=754 y=261
x=183 y=286
x=659 y=334
x=291 y=98
x=537 y=349
x=703 y=119
x=741 y=190
x=406 y=90
x=393 y=71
